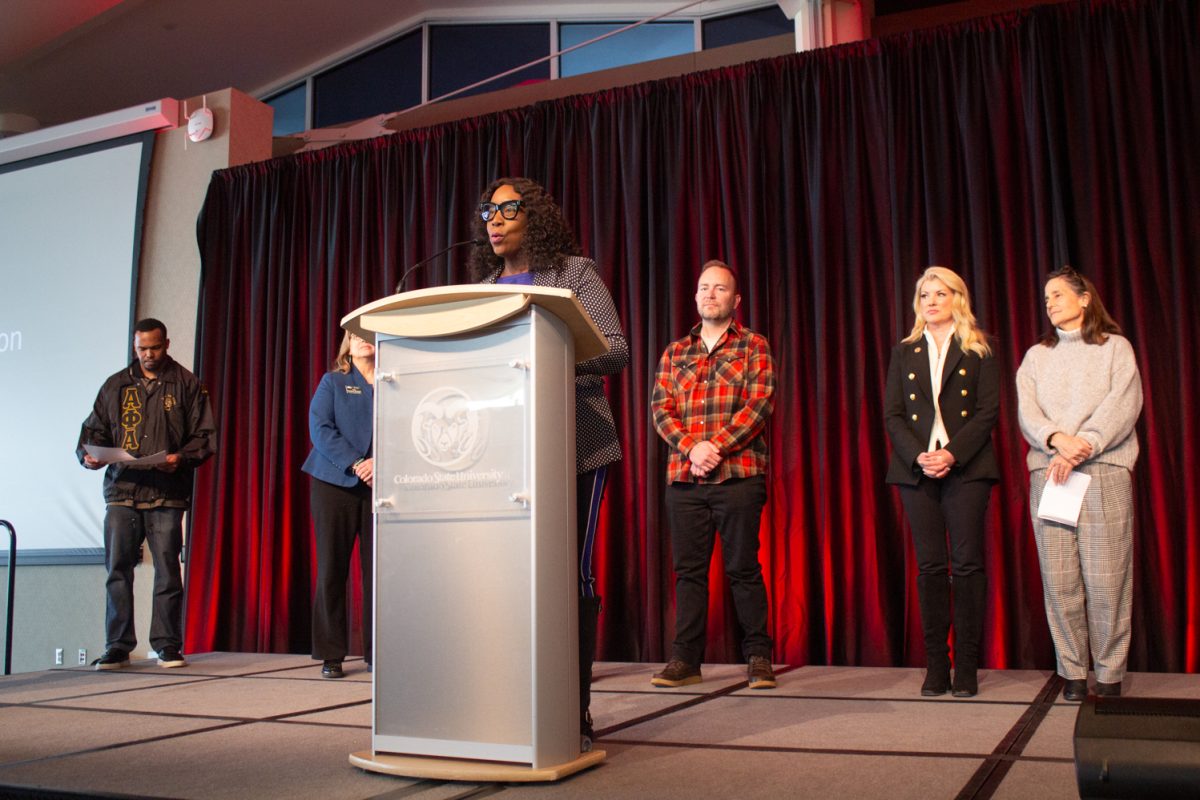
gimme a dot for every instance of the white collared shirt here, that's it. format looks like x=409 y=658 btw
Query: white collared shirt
x=938 y=438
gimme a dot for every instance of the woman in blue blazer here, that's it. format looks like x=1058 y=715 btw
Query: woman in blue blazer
x=343 y=470
x=944 y=466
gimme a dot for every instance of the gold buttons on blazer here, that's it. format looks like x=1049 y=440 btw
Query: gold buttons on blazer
x=912 y=376
x=917 y=349
x=964 y=392
x=914 y=417
x=912 y=397
x=962 y=371
x=964 y=412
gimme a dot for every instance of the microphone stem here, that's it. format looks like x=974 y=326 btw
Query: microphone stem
x=427 y=259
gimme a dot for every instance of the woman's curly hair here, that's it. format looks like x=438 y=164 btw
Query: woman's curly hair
x=548 y=239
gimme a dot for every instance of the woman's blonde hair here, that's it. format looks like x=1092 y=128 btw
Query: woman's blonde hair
x=342 y=361
x=970 y=338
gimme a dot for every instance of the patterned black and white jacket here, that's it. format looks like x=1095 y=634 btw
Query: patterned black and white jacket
x=596 y=442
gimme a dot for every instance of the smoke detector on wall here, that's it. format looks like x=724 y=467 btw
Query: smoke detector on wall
x=200 y=122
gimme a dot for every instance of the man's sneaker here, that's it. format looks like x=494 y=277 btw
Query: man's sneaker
x=760 y=674
x=171 y=657
x=113 y=658
x=677 y=673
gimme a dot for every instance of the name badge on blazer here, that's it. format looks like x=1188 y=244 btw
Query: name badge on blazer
x=353 y=390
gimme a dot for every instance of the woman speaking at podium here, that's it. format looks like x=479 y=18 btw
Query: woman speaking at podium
x=531 y=244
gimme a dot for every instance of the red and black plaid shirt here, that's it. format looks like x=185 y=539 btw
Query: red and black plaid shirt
x=725 y=397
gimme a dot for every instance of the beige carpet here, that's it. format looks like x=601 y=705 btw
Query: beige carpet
x=237 y=725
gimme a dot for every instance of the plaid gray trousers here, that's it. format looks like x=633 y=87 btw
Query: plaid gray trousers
x=1087 y=574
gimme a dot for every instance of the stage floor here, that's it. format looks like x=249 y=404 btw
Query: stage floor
x=245 y=725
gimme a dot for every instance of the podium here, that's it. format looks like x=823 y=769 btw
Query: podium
x=476 y=671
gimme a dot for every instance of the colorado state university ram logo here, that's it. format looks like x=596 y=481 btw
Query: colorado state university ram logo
x=446 y=431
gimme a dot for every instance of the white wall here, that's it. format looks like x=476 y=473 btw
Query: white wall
x=63 y=606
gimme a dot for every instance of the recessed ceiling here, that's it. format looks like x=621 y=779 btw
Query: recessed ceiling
x=63 y=60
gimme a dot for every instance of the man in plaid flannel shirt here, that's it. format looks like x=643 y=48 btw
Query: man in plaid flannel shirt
x=713 y=394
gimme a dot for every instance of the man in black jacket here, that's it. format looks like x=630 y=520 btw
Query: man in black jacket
x=154 y=405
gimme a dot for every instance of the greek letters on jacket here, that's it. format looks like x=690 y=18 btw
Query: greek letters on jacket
x=175 y=416
x=969 y=398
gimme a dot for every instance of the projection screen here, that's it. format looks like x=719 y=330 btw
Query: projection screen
x=70 y=233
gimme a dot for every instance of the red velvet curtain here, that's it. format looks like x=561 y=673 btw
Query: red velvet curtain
x=1003 y=148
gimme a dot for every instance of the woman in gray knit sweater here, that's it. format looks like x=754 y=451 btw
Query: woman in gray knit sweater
x=1079 y=395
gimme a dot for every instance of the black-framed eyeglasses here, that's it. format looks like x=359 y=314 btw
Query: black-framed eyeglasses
x=508 y=209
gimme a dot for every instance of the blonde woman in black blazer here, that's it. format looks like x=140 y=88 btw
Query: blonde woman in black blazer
x=944 y=466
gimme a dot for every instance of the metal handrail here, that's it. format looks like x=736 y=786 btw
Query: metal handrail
x=12 y=569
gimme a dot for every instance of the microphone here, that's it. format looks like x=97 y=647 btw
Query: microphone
x=438 y=254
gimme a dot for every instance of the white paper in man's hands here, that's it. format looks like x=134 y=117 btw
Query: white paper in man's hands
x=115 y=455
x=1061 y=502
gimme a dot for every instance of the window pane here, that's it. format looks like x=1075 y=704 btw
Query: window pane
x=747 y=26
x=460 y=55
x=381 y=81
x=289 y=110
x=644 y=43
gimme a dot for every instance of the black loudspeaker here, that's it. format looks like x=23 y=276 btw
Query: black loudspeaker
x=1138 y=747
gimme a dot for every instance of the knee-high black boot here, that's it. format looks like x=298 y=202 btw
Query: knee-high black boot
x=970 y=594
x=589 y=616
x=933 y=594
